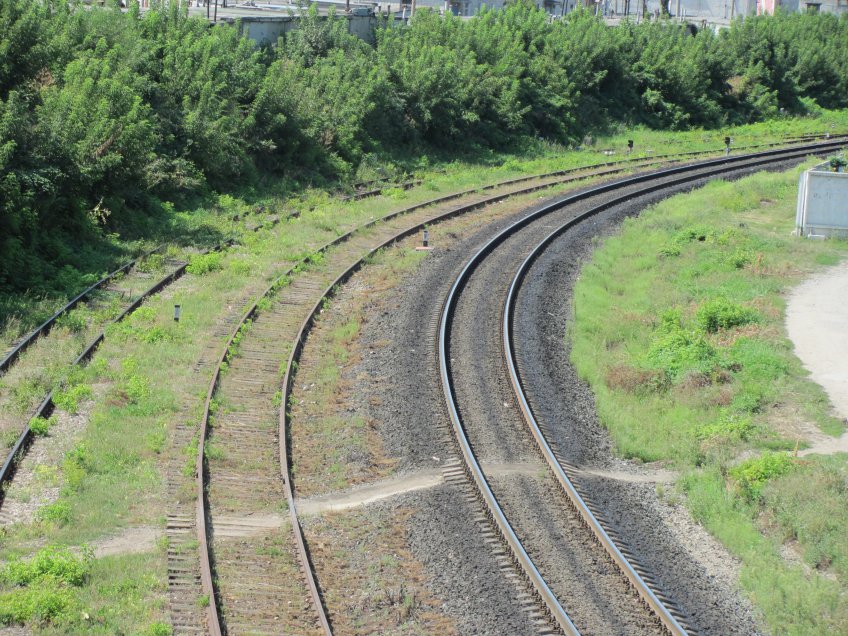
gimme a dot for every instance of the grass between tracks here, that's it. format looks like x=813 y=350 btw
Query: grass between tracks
x=336 y=447
x=113 y=476
x=679 y=328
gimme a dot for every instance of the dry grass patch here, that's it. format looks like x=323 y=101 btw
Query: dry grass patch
x=370 y=579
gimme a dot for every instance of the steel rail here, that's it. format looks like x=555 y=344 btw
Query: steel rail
x=207 y=579
x=552 y=603
x=406 y=185
x=45 y=408
x=45 y=327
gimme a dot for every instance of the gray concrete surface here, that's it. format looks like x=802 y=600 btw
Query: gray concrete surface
x=817 y=323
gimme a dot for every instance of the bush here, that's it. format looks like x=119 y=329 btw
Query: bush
x=719 y=313
x=43 y=603
x=69 y=398
x=728 y=427
x=200 y=264
x=74 y=321
x=58 y=513
x=676 y=350
x=43 y=586
x=751 y=475
x=40 y=426
x=151 y=264
x=53 y=562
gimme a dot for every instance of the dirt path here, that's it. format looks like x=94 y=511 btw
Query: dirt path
x=817 y=323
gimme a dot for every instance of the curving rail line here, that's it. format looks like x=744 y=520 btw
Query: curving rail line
x=9 y=359
x=202 y=513
x=668 y=618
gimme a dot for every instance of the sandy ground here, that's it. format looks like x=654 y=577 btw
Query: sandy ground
x=817 y=322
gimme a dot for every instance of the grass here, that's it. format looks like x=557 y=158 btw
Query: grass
x=337 y=448
x=678 y=327
x=114 y=476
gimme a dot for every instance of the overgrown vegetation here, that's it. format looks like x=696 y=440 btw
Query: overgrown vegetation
x=106 y=116
x=686 y=352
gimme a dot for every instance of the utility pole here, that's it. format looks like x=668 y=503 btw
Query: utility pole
x=216 y=11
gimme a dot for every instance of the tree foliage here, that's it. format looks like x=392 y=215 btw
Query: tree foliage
x=103 y=113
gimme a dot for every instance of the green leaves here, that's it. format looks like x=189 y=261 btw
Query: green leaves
x=104 y=114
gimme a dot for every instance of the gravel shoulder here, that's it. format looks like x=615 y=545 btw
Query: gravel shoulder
x=399 y=395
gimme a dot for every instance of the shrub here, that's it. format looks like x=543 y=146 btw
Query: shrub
x=751 y=475
x=68 y=399
x=151 y=264
x=76 y=465
x=727 y=427
x=53 y=562
x=719 y=313
x=200 y=264
x=58 y=513
x=40 y=426
x=675 y=349
x=669 y=250
x=43 y=603
x=136 y=389
x=159 y=629
x=74 y=321
x=43 y=586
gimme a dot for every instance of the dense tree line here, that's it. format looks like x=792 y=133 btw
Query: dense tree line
x=104 y=113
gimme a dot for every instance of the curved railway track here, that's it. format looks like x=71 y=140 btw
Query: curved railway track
x=274 y=328
x=132 y=302
x=670 y=618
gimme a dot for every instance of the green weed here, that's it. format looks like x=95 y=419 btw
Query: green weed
x=40 y=426
x=201 y=264
x=152 y=264
x=75 y=321
x=719 y=313
x=751 y=475
x=69 y=398
x=58 y=513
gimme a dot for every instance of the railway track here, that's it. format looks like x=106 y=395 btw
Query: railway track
x=480 y=408
x=236 y=495
x=111 y=296
x=116 y=295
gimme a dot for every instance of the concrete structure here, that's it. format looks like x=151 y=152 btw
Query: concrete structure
x=264 y=22
x=822 y=202
x=267 y=29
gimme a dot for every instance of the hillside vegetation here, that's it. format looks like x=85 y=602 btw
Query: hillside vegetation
x=105 y=115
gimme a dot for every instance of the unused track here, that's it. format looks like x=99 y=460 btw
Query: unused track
x=122 y=293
